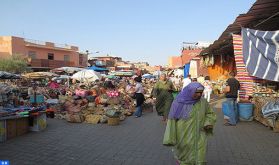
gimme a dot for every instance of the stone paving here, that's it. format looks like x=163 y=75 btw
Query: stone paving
x=137 y=141
x=248 y=143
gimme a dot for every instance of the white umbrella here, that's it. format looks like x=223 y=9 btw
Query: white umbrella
x=87 y=76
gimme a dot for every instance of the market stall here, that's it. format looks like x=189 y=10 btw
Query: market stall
x=258 y=84
x=16 y=117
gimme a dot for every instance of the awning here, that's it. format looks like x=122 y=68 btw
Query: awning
x=97 y=69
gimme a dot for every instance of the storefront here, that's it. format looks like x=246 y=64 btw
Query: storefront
x=250 y=54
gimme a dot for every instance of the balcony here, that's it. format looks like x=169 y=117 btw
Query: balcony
x=43 y=63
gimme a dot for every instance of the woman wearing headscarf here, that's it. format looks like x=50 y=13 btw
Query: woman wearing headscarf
x=190 y=121
x=162 y=91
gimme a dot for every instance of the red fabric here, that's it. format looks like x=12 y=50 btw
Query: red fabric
x=53 y=85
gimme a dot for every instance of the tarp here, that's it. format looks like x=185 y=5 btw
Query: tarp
x=87 y=76
x=186 y=70
x=7 y=75
x=122 y=73
x=261 y=53
x=68 y=69
x=35 y=75
x=193 y=71
x=148 y=76
x=97 y=69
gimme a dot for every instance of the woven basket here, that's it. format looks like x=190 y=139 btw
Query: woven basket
x=113 y=121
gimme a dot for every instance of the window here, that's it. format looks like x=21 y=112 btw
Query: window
x=32 y=54
x=50 y=56
x=66 y=58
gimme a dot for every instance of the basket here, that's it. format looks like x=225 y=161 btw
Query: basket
x=113 y=121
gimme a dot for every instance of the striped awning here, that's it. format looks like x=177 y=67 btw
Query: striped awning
x=261 y=53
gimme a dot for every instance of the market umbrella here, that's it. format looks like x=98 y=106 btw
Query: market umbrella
x=111 y=76
x=97 y=69
x=148 y=76
x=7 y=75
x=35 y=75
x=87 y=76
x=68 y=69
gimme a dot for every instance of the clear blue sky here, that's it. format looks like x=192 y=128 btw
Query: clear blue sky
x=136 y=30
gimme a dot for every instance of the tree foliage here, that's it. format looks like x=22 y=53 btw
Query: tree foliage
x=13 y=64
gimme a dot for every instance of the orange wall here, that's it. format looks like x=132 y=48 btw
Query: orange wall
x=220 y=71
x=5 y=46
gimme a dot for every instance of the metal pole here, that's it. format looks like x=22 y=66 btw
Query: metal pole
x=267 y=19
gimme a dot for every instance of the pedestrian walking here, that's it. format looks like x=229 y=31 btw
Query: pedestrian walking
x=139 y=96
x=190 y=121
x=231 y=91
x=207 y=88
x=162 y=92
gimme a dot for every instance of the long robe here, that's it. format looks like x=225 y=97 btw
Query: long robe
x=187 y=135
x=163 y=93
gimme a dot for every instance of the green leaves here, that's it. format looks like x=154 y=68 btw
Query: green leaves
x=13 y=64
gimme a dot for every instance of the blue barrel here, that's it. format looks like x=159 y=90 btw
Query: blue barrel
x=226 y=108
x=245 y=110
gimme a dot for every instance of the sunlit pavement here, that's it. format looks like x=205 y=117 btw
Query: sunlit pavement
x=138 y=141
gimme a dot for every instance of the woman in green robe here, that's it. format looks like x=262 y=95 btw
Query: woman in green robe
x=190 y=121
x=162 y=91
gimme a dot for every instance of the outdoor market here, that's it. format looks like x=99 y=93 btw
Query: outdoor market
x=142 y=82
x=72 y=94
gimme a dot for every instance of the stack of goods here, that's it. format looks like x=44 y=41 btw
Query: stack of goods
x=265 y=91
x=5 y=95
x=148 y=105
x=79 y=110
x=73 y=110
x=259 y=104
x=271 y=109
x=113 y=116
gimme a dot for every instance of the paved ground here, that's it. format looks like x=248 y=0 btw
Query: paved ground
x=249 y=143
x=137 y=141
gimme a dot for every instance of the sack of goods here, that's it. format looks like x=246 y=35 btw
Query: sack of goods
x=93 y=119
x=74 y=118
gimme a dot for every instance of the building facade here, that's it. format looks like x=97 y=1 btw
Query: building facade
x=42 y=55
x=175 y=62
